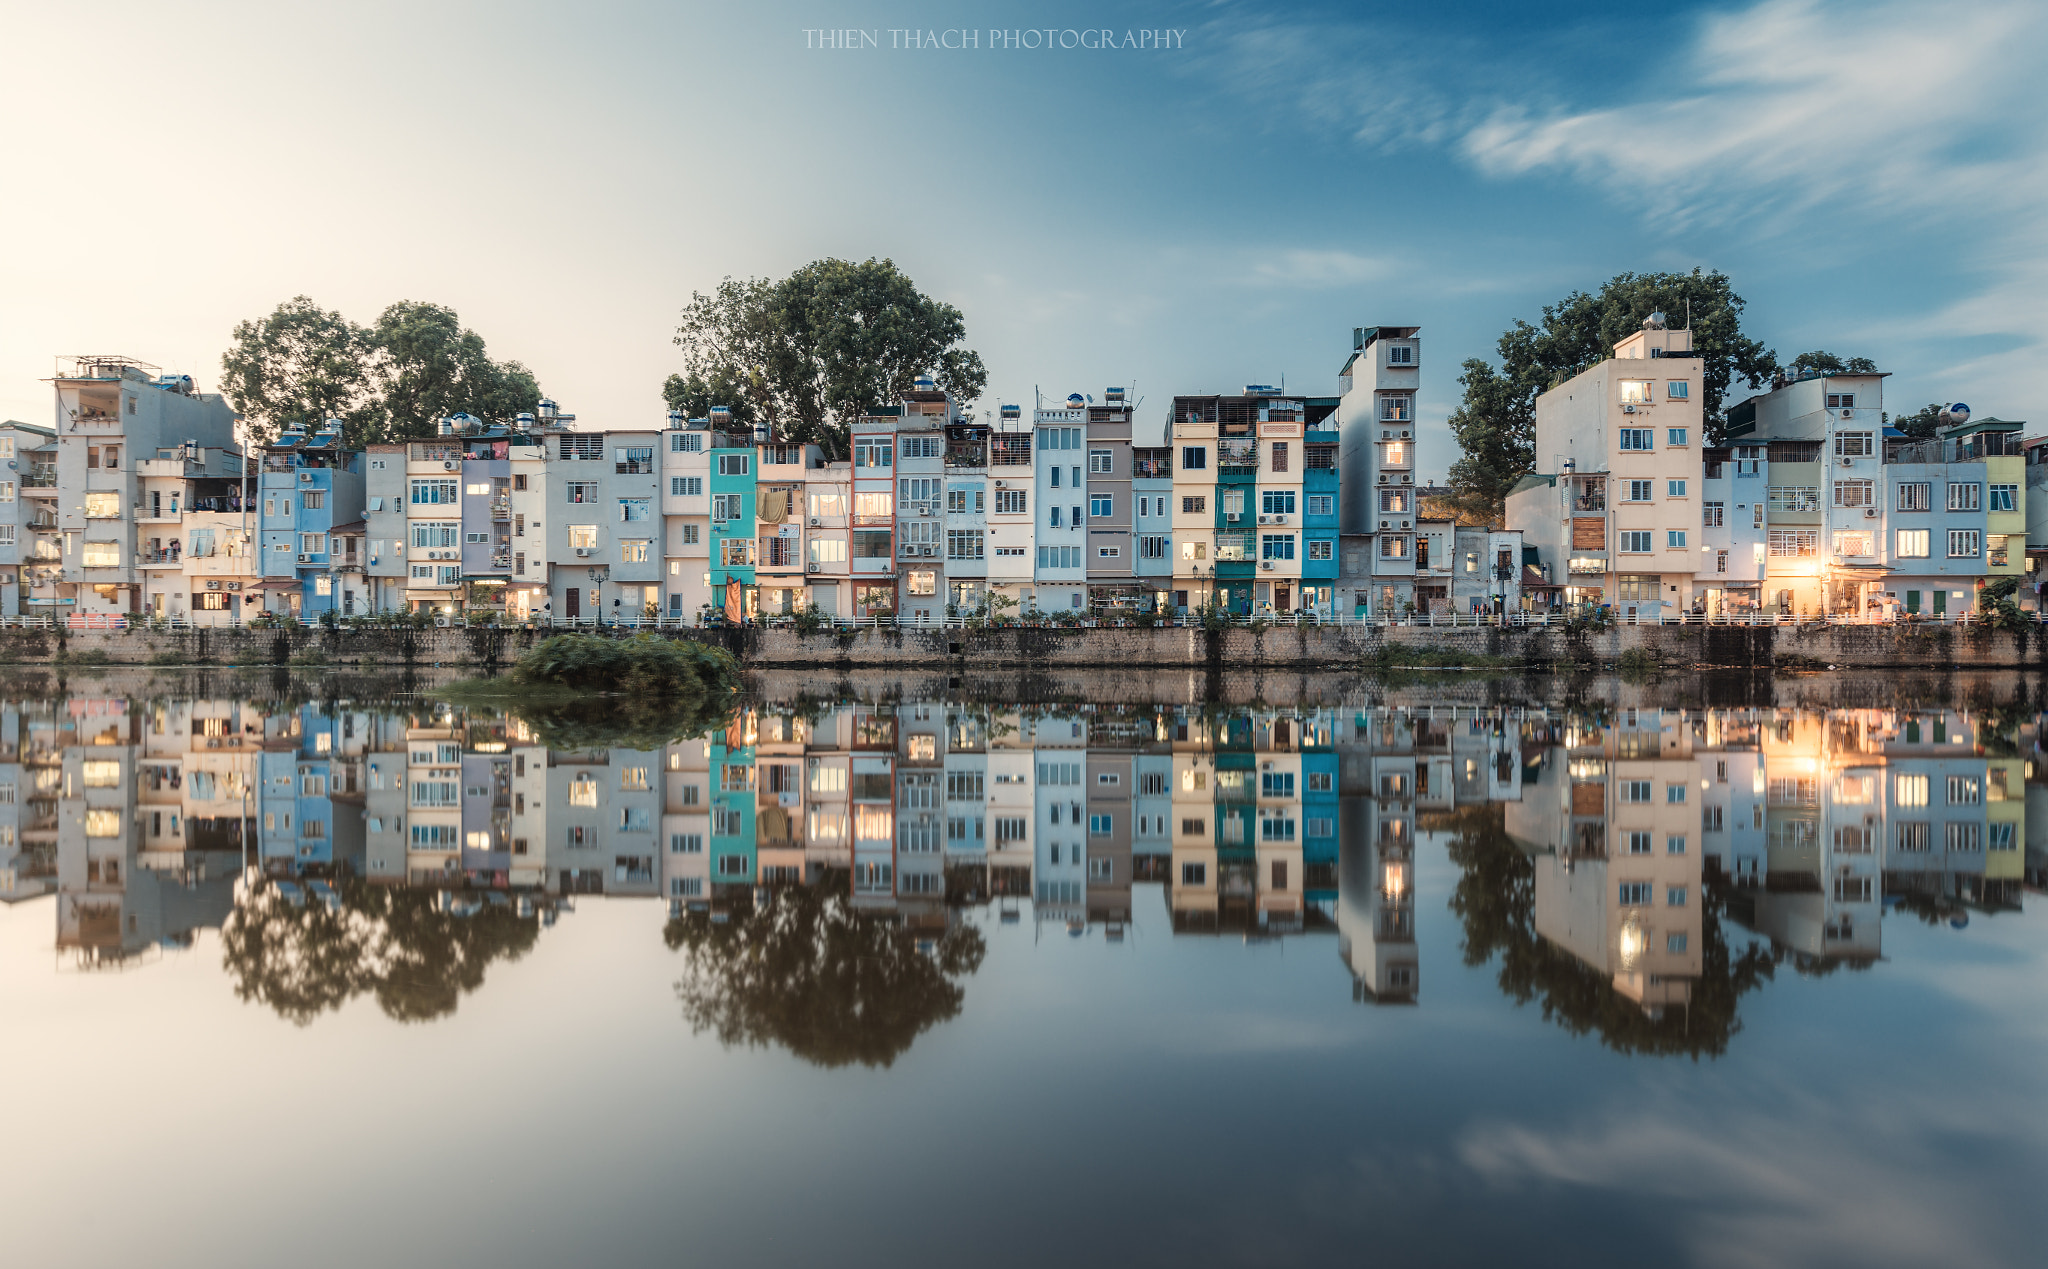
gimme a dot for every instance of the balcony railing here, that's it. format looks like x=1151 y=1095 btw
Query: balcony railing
x=1592 y=502
x=39 y=478
x=501 y=508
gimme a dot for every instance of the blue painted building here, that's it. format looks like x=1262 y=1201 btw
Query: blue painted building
x=309 y=486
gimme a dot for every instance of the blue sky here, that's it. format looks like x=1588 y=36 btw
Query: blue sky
x=1179 y=220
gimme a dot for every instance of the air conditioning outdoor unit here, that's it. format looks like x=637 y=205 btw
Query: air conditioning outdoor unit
x=1870 y=513
x=304 y=558
x=1266 y=564
x=1230 y=515
x=1628 y=409
x=1404 y=524
x=448 y=465
x=927 y=551
x=1383 y=524
x=305 y=478
x=1265 y=519
x=1848 y=462
x=1848 y=414
x=924 y=510
x=1279 y=519
x=810 y=568
x=582 y=552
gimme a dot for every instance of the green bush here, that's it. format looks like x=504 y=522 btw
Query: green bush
x=645 y=665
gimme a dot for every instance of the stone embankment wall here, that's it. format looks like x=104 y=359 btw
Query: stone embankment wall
x=1303 y=648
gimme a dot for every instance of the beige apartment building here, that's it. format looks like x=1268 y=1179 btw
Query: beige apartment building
x=1615 y=511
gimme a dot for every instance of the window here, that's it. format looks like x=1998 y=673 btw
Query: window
x=1963 y=543
x=1321 y=548
x=963 y=544
x=1276 y=784
x=1321 y=504
x=1674 y=896
x=1279 y=462
x=312 y=543
x=1961 y=837
x=735 y=464
x=686 y=486
x=1713 y=514
x=1100 y=825
x=1152 y=547
x=2002 y=836
x=634 y=552
x=1795 y=497
x=920 y=446
x=1100 y=462
x=1677 y=390
x=1913 y=543
x=1109 y=552
x=1276 y=546
x=1913 y=495
x=434 y=492
x=1855 y=493
x=582 y=537
x=1400 y=354
x=1099 y=506
x=1674 y=537
x=1674 y=794
x=1674 y=489
x=1638 y=438
x=1674 y=436
x=686 y=443
x=1392 y=502
x=1674 y=844
x=727 y=506
x=2004 y=497
x=1011 y=502
x=1635 y=391
x=1636 y=791
x=1794 y=543
x=1853 y=543
x=1393 y=548
x=1636 y=541
x=1635 y=894
x=1641 y=490
x=102 y=555
x=1909 y=790
x=1194 y=506
x=689 y=535
x=1397 y=409
x=1964 y=497
x=1854 y=444
x=634 y=509
x=1965 y=791
x=1194 y=874
x=1639 y=842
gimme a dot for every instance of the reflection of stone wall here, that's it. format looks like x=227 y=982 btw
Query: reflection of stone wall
x=1227 y=651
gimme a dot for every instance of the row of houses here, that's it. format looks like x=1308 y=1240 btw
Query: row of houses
x=139 y=500
x=1812 y=504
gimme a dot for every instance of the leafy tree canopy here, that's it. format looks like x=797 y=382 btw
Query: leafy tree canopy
x=808 y=354
x=389 y=381
x=1923 y=423
x=810 y=973
x=1496 y=421
x=1826 y=363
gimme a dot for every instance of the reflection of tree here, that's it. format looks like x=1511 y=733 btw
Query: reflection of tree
x=418 y=962
x=1496 y=899
x=810 y=973
x=584 y=722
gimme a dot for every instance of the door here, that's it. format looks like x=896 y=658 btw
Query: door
x=572 y=603
x=1913 y=602
x=1940 y=602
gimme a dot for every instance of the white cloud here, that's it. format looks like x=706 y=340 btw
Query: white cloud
x=1805 y=1184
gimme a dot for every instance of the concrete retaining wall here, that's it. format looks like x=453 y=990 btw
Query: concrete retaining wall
x=1303 y=648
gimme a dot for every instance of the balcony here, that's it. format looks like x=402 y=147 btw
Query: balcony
x=634 y=467
x=501 y=507
x=39 y=477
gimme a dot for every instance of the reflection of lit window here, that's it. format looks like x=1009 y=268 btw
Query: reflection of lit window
x=583 y=791
x=923 y=748
x=102 y=775
x=1909 y=790
x=102 y=823
x=633 y=779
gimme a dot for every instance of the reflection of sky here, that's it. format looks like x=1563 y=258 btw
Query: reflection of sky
x=1189 y=1100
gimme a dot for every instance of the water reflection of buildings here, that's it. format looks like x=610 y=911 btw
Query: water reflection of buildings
x=1254 y=823
x=1809 y=824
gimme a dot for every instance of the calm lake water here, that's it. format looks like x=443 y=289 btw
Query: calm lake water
x=847 y=976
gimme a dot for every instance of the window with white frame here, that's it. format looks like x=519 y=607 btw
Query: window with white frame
x=1965 y=496
x=1855 y=493
x=1641 y=490
x=2004 y=498
x=1794 y=543
x=1854 y=444
x=1913 y=496
x=1964 y=544
x=1912 y=544
x=1634 y=438
x=1636 y=541
x=1677 y=390
x=1713 y=514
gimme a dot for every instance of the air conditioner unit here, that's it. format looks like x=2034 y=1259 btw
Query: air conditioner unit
x=1383 y=524
x=999 y=484
x=810 y=568
x=305 y=558
x=1383 y=478
x=1848 y=414
x=305 y=478
x=1265 y=519
x=1628 y=409
x=1404 y=433
x=1266 y=564
x=1279 y=519
x=449 y=465
x=582 y=552
x=1231 y=515
x=816 y=522
x=1404 y=524
x=924 y=510
x=927 y=551
x=1870 y=513
x=1848 y=462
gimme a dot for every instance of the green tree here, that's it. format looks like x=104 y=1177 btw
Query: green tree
x=1922 y=424
x=390 y=381
x=300 y=364
x=1826 y=363
x=810 y=353
x=808 y=972
x=429 y=366
x=1496 y=422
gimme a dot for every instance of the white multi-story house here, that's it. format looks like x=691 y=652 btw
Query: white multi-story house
x=28 y=455
x=1060 y=577
x=686 y=512
x=1378 y=432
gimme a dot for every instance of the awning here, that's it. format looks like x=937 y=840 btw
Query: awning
x=278 y=583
